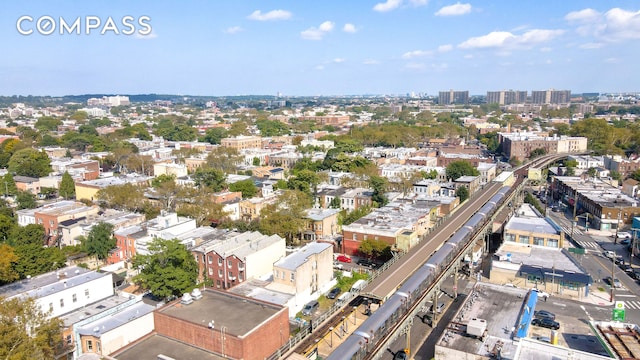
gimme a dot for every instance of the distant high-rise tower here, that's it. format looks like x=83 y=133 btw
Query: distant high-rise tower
x=551 y=96
x=505 y=97
x=453 y=97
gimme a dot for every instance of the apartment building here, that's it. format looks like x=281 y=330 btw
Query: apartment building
x=242 y=142
x=520 y=145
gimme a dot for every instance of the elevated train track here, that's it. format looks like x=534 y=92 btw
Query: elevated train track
x=389 y=285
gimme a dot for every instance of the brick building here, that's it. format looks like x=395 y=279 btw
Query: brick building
x=242 y=142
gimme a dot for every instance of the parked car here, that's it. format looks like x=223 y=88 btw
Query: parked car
x=543 y=314
x=439 y=308
x=613 y=282
x=625 y=241
x=623 y=235
x=626 y=268
x=619 y=260
x=343 y=258
x=337 y=265
x=333 y=293
x=635 y=274
x=547 y=323
x=610 y=254
x=366 y=263
x=310 y=307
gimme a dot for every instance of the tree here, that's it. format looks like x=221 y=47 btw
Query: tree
x=167 y=190
x=592 y=172
x=26 y=200
x=33 y=258
x=247 y=187
x=8 y=259
x=30 y=162
x=8 y=185
x=346 y=218
x=48 y=123
x=199 y=204
x=463 y=193
x=379 y=186
x=287 y=217
x=225 y=159
x=373 y=248
x=215 y=135
x=256 y=161
x=460 y=168
x=100 y=240
x=537 y=152
x=168 y=270
x=122 y=197
x=335 y=203
x=67 y=186
x=27 y=332
x=212 y=178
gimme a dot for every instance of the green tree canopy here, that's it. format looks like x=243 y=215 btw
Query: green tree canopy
x=48 y=123
x=215 y=135
x=460 y=168
x=463 y=193
x=8 y=260
x=287 y=217
x=212 y=178
x=67 y=186
x=26 y=200
x=379 y=186
x=247 y=187
x=374 y=248
x=8 y=185
x=168 y=270
x=27 y=332
x=100 y=240
x=33 y=258
x=30 y=162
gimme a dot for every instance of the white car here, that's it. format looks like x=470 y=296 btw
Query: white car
x=624 y=235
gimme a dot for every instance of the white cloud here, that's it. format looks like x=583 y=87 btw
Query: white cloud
x=387 y=6
x=270 y=16
x=591 y=45
x=314 y=33
x=416 y=53
x=349 y=28
x=445 y=48
x=338 y=60
x=456 y=9
x=614 y=25
x=545 y=49
x=326 y=26
x=233 y=30
x=505 y=39
x=584 y=15
x=371 y=62
x=418 y=2
x=319 y=67
x=468 y=56
x=611 y=60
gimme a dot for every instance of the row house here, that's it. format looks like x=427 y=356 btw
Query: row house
x=622 y=165
x=81 y=169
x=350 y=199
x=133 y=240
x=487 y=171
x=399 y=224
x=87 y=190
x=472 y=183
x=284 y=159
x=250 y=208
x=28 y=184
x=444 y=159
x=396 y=171
x=51 y=215
x=242 y=142
x=195 y=162
x=422 y=161
x=520 y=145
x=322 y=225
x=170 y=169
x=235 y=257
x=71 y=230
x=305 y=274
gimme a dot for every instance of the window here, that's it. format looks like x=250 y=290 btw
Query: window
x=292 y=277
x=98 y=349
x=51 y=307
x=210 y=259
x=217 y=283
x=89 y=345
x=229 y=263
x=509 y=237
x=552 y=243
x=220 y=272
x=61 y=303
x=74 y=297
x=538 y=241
x=240 y=277
x=69 y=339
x=524 y=239
x=219 y=261
x=230 y=275
x=86 y=293
x=210 y=271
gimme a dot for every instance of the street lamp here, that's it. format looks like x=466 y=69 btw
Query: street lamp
x=331 y=337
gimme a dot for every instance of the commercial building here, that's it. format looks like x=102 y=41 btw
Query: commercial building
x=529 y=227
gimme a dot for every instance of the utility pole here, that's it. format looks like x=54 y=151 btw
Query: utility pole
x=575 y=207
x=613 y=277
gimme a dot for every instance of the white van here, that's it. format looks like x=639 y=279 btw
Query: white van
x=358 y=285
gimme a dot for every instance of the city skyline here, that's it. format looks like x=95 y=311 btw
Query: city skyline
x=328 y=48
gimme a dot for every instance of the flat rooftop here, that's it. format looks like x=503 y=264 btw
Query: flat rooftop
x=238 y=314
x=50 y=282
x=149 y=349
x=500 y=307
x=93 y=309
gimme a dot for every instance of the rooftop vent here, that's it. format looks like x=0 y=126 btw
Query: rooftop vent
x=186 y=299
x=196 y=294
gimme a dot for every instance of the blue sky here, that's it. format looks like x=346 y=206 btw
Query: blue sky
x=324 y=47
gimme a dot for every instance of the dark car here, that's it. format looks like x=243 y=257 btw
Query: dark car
x=366 y=263
x=635 y=274
x=547 y=323
x=543 y=314
x=626 y=268
x=333 y=293
x=625 y=241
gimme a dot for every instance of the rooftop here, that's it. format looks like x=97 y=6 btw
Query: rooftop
x=154 y=345
x=93 y=309
x=528 y=219
x=238 y=244
x=293 y=261
x=237 y=314
x=108 y=323
x=321 y=214
x=51 y=282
